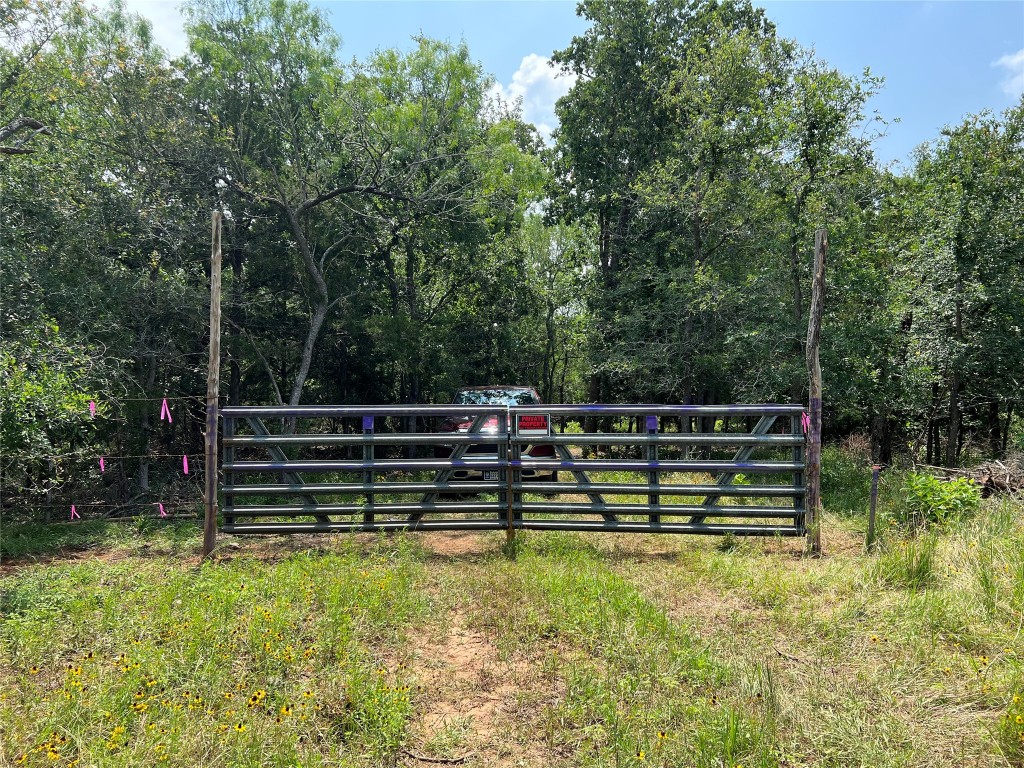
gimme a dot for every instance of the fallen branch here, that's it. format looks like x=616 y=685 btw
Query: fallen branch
x=789 y=656
x=446 y=760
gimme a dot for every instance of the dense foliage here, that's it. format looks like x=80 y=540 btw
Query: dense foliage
x=393 y=232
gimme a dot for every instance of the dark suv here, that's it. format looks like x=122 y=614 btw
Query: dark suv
x=494 y=394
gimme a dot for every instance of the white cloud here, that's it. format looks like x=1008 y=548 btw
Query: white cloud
x=167 y=20
x=1013 y=83
x=539 y=85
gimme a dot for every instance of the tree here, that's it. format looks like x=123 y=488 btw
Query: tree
x=968 y=257
x=386 y=172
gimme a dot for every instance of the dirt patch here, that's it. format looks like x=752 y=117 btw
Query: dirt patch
x=470 y=700
x=454 y=544
x=67 y=555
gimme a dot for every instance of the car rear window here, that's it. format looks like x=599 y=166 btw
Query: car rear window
x=495 y=397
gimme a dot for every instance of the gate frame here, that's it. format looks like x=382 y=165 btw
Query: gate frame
x=511 y=511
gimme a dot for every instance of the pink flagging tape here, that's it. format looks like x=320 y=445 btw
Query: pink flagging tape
x=184 y=464
x=162 y=513
x=805 y=420
x=92 y=408
x=165 y=410
x=74 y=513
x=103 y=467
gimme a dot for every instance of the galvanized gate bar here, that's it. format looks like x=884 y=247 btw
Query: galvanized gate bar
x=605 y=409
x=691 y=438
x=391 y=492
x=653 y=497
x=714 y=529
x=257 y=500
x=666 y=510
x=382 y=486
x=726 y=478
x=353 y=411
x=752 y=491
x=275 y=452
x=655 y=468
x=684 y=465
x=580 y=474
x=346 y=526
x=444 y=474
x=371 y=438
x=368 y=475
x=382 y=465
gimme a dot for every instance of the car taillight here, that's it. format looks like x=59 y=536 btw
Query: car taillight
x=490 y=425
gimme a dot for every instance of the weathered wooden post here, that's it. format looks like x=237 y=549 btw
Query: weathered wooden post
x=814 y=375
x=212 y=393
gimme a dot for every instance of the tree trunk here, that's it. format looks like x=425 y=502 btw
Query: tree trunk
x=813 y=459
x=144 y=423
x=1006 y=430
x=995 y=429
x=315 y=324
x=929 y=455
x=953 y=436
x=235 y=328
x=796 y=386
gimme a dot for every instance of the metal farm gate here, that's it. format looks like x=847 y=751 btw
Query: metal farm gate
x=725 y=469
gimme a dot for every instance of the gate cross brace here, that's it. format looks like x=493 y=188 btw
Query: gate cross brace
x=582 y=477
x=444 y=475
x=278 y=455
x=762 y=427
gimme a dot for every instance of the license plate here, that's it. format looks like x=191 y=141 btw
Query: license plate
x=490 y=474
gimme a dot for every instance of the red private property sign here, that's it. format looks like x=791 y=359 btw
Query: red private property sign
x=530 y=424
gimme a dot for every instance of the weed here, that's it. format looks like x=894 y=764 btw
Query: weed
x=929 y=500
x=909 y=562
x=449 y=739
x=245 y=661
x=1010 y=731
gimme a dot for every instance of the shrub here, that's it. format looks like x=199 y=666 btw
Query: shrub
x=930 y=500
x=845 y=480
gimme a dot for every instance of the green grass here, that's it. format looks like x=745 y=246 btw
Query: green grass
x=144 y=661
x=562 y=650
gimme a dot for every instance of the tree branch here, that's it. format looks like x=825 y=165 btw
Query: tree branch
x=16 y=126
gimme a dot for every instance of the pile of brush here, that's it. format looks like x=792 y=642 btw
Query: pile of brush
x=1006 y=476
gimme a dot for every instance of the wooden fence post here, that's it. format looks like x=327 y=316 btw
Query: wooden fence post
x=212 y=393
x=814 y=507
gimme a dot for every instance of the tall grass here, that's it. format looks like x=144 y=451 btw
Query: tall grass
x=908 y=563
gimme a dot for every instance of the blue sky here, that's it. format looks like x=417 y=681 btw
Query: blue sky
x=940 y=60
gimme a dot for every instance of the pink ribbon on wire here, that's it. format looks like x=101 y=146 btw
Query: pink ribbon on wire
x=92 y=408
x=103 y=467
x=74 y=513
x=805 y=420
x=184 y=464
x=165 y=410
x=162 y=513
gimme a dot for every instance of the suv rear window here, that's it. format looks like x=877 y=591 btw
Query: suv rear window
x=495 y=397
